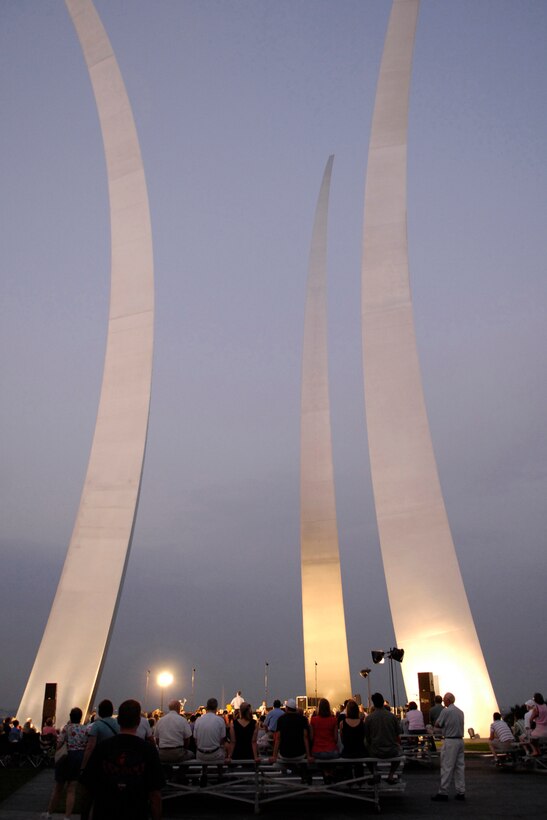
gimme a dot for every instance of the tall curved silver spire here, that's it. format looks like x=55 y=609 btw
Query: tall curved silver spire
x=77 y=633
x=431 y=614
x=325 y=644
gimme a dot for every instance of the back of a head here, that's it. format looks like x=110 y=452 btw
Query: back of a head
x=75 y=715
x=449 y=699
x=352 y=710
x=212 y=705
x=245 y=711
x=496 y=716
x=538 y=698
x=129 y=714
x=377 y=700
x=438 y=699
x=106 y=708
x=412 y=705
x=324 y=708
x=174 y=706
x=277 y=704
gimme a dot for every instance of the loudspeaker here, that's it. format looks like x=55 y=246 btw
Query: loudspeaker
x=302 y=702
x=426 y=689
x=50 y=703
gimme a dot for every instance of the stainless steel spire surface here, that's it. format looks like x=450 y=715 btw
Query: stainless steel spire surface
x=325 y=644
x=431 y=614
x=78 y=630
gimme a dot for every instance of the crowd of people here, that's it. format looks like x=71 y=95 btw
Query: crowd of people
x=118 y=760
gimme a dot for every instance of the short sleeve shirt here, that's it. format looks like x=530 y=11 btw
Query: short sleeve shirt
x=451 y=721
x=120 y=775
x=291 y=727
x=75 y=735
x=103 y=728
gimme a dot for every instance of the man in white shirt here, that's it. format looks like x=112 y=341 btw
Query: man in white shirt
x=451 y=721
x=173 y=733
x=237 y=700
x=210 y=738
x=210 y=735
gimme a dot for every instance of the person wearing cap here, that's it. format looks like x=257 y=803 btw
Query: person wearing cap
x=292 y=740
x=451 y=721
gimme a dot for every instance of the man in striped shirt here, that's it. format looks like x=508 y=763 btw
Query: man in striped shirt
x=501 y=736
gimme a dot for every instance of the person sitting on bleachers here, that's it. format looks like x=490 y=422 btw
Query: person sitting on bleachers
x=413 y=722
x=501 y=736
x=382 y=734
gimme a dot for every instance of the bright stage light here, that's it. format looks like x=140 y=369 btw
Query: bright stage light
x=165 y=679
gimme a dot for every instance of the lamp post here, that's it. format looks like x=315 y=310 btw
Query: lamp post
x=164 y=679
x=146 y=690
x=266 y=668
x=316 y=686
x=193 y=689
x=365 y=674
x=394 y=654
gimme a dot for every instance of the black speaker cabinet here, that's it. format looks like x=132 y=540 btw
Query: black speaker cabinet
x=50 y=703
x=426 y=688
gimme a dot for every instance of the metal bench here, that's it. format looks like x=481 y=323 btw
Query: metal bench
x=263 y=783
x=421 y=748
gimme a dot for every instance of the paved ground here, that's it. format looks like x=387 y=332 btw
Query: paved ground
x=491 y=793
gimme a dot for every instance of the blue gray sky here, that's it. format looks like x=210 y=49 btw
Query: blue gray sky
x=238 y=105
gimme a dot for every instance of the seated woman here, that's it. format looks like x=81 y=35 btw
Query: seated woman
x=324 y=729
x=352 y=737
x=414 y=721
x=243 y=734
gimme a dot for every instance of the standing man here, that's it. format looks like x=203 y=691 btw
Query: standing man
x=452 y=760
x=103 y=728
x=436 y=710
x=237 y=700
x=124 y=773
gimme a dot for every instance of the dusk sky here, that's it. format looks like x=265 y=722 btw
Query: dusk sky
x=238 y=104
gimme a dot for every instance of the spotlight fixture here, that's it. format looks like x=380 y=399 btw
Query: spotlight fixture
x=378 y=656
x=364 y=673
x=396 y=654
